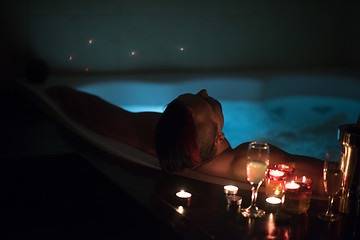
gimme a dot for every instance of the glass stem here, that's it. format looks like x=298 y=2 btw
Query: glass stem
x=330 y=206
x=254 y=193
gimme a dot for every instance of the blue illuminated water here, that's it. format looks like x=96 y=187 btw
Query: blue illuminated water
x=298 y=113
x=300 y=125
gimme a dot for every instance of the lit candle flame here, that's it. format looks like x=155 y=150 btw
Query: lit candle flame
x=273 y=200
x=230 y=189
x=276 y=173
x=292 y=185
x=183 y=194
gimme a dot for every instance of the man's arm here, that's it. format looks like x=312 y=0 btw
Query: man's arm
x=232 y=164
x=134 y=129
x=88 y=110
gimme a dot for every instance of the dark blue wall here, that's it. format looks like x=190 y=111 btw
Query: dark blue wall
x=186 y=34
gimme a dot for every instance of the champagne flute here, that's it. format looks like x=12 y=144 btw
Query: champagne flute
x=258 y=161
x=333 y=177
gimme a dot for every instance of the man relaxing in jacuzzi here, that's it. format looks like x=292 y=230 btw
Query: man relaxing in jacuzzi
x=187 y=135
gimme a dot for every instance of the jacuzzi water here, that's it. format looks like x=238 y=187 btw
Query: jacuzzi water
x=299 y=124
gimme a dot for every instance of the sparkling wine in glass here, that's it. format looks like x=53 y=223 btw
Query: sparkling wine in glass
x=333 y=177
x=257 y=163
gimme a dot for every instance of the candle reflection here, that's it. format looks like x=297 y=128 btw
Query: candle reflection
x=180 y=209
x=271 y=227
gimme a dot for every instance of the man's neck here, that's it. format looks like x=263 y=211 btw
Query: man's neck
x=225 y=145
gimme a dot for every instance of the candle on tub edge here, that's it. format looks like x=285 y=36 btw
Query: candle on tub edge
x=230 y=189
x=183 y=194
x=184 y=199
x=273 y=200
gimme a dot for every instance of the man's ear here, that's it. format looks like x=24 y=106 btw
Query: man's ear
x=220 y=137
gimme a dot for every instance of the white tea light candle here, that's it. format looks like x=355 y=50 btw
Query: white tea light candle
x=230 y=189
x=292 y=185
x=183 y=194
x=276 y=173
x=273 y=200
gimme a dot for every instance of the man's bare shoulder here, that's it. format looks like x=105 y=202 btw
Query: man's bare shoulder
x=229 y=164
x=240 y=152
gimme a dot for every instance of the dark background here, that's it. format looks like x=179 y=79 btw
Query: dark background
x=217 y=35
